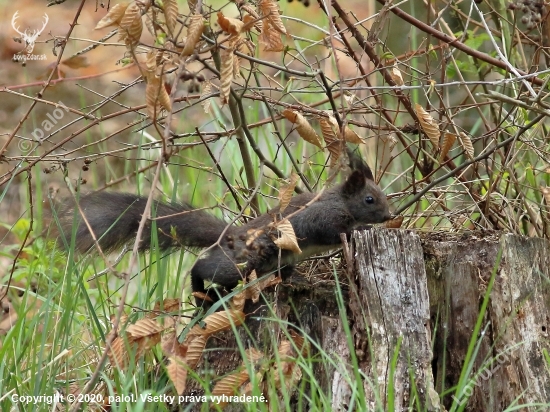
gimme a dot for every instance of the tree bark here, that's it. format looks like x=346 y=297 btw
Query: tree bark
x=411 y=303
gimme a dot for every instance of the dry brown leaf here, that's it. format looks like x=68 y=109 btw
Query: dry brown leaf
x=285 y=350
x=270 y=10
x=329 y=129
x=150 y=17
x=230 y=384
x=131 y=25
x=202 y=296
x=238 y=301
x=118 y=356
x=171 y=15
x=249 y=22
x=286 y=191
x=287 y=367
x=390 y=140
x=144 y=327
x=466 y=144
x=236 y=66
x=206 y=91
x=253 y=355
x=270 y=38
x=245 y=46
x=253 y=291
x=299 y=341
x=121 y=323
x=395 y=74
x=291 y=375
x=193 y=6
x=195 y=348
x=303 y=127
x=194 y=33
x=546 y=193
x=288 y=240
x=230 y=25
x=351 y=136
x=217 y=322
x=448 y=141
x=226 y=74
x=156 y=96
x=177 y=371
x=252 y=15
x=122 y=346
x=171 y=346
x=113 y=16
x=429 y=125
x=169 y=305
x=395 y=223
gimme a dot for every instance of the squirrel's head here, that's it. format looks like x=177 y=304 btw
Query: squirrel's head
x=364 y=198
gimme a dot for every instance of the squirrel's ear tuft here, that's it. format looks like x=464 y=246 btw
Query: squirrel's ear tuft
x=357 y=163
x=354 y=183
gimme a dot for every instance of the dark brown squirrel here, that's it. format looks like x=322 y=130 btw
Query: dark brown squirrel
x=115 y=217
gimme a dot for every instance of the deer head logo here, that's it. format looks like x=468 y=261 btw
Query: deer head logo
x=29 y=36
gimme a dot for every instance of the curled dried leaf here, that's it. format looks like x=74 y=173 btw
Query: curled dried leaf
x=144 y=327
x=195 y=348
x=466 y=144
x=286 y=191
x=303 y=127
x=329 y=129
x=156 y=96
x=389 y=140
x=202 y=296
x=227 y=71
x=169 y=305
x=217 y=322
x=270 y=10
x=288 y=240
x=395 y=223
x=351 y=136
x=299 y=340
x=429 y=125
x=206 y=90
x=270 y=38
x=117 y=353
x=194 y=33
x=150 y=17
x=171 y=346
x=171 y=15
x=251 y=16
x=113 y=16
x=230 y=384
x=448 y=141
x=238 y=301
x=395 y=74
x=131 y=25
x=177 y=371
x=193 y=6
x=230 y=25
x=253 y=291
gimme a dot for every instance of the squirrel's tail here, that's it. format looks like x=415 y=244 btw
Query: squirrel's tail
x=114 y=219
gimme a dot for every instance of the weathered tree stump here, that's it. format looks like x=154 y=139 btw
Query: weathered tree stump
x=415 y=299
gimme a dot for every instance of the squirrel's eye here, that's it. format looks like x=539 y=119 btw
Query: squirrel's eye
x=369 y=199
